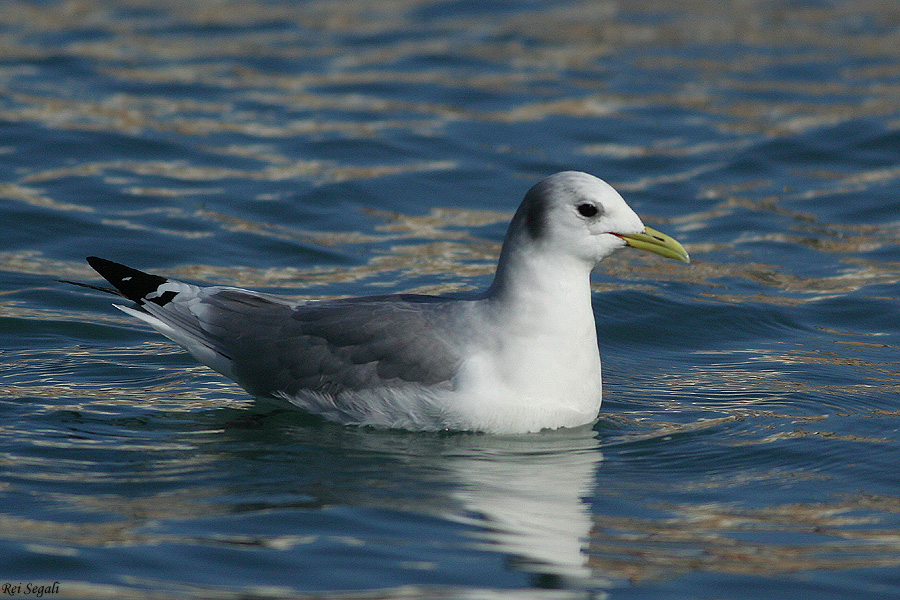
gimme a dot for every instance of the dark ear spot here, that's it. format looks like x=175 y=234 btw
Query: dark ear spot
x=535 y=220
x=535 y=208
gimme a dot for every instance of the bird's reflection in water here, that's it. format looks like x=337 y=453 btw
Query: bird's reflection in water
x=525 y=496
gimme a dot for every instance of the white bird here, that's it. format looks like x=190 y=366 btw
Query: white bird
x=519 y=357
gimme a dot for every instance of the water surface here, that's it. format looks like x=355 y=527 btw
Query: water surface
x=747 y=445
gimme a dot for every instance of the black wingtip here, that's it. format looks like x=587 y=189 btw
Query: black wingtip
x=131 y=283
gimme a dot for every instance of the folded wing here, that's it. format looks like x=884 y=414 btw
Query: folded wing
x=272 y=346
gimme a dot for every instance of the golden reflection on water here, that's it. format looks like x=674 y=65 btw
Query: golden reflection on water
x=447 y=250
x=570 y=36
x=574 y=35
x=714 y=538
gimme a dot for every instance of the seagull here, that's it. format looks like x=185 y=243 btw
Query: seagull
x=520 y=357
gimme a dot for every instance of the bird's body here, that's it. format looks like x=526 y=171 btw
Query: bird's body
x=520 y=357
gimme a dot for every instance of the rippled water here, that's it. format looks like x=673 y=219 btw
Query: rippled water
x=748 y=442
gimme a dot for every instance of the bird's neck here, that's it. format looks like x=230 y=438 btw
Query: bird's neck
x=540 y=341
x=543 y=290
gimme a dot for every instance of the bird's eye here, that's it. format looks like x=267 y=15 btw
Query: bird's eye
x=588 y=210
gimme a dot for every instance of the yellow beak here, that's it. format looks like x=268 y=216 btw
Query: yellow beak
x=658 y=243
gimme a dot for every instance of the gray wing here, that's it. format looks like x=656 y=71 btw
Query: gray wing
x=270 y=345
x=332 y=346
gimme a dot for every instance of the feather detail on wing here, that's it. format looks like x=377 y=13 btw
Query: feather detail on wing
x=274 y=347
x=333 y=346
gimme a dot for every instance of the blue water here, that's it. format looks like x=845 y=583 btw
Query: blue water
x=748 y=442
